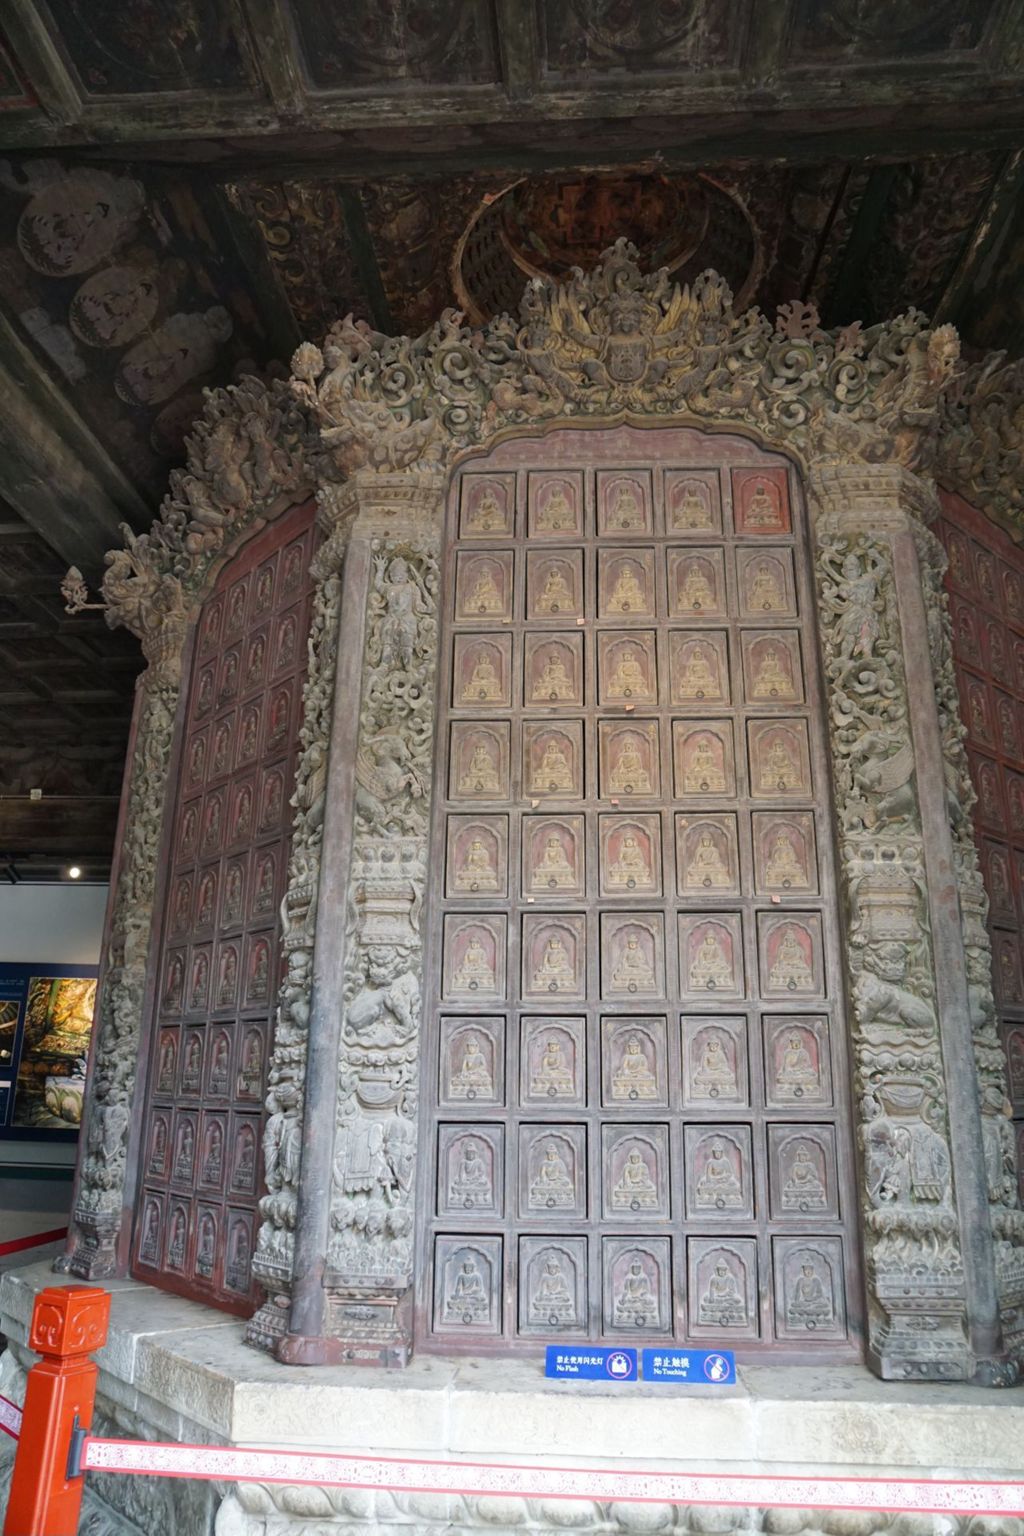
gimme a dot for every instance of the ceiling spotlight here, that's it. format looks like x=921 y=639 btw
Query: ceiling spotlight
x=74 y=872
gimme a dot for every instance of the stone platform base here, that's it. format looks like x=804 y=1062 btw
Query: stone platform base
x=174 y=1370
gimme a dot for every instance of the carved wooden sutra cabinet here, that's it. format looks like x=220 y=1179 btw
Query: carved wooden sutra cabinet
x=547 y=903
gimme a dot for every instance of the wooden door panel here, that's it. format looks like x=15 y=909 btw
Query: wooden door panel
x=985 y=581
x=632 y=989
x=217 y=964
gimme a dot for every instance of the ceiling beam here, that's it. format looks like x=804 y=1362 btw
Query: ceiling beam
x=367 y=127
x=61 y=826
x=537 y=143
x=518 y=47
x=271 y=40
x=40 y=59
x=364 y=257
x=843 y=302
x=765 y=44
x=283 y=333
x=971 y=268
x=53 y=470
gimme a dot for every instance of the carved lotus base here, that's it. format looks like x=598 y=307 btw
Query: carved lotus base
x=924 y=1336
x=92 y=1254
x=371 y=1328
x=268 y=1325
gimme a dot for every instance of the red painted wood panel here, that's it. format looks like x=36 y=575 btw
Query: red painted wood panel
x=985 y=582
x=216 y=986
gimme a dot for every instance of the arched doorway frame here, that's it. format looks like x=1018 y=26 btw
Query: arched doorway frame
x=375 y=423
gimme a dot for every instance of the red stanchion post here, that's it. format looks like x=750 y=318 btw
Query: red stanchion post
x=68 y=1323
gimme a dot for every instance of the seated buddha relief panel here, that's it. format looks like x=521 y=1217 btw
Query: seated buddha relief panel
x=636 y=1081
x=217 y=961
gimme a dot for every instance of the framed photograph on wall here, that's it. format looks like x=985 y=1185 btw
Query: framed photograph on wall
x=46 y=1019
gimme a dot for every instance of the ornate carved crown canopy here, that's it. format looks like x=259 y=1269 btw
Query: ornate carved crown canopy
x=611 y=344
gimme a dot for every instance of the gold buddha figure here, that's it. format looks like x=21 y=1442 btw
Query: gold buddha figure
x=476 y=872
x=555 y=972
x=796 y=1075
x=554 y=869
x=691 y=508
x=803 y=1189
x=552 y=1301
x=633 y=970
x=552 y=1186
x=481 y=775
x=633 y=1079
x=476 y=972
x=556 y=515
x=702 y=774
x=636 y=1305
x=556 y=595
x=626 y=515
x=628 y=596
x=709 y=967
x=470 y=1184
x=809 y=1307
x=705 y=868
x=698 y=677
x=629 y=680
x=554 y=770
x=714 y=1077
x=631 y=869
x=721 y=1303
x=718 y=1188
x=789 y=968
x=552 y=1077
x=629 y=776
x=228 y=978
x=486 y=516
x=485 y=597
x=473 y=1078
x=779 y=770
x=765 y=592
x=635 y=1190
x=762 y=511
x=467 y=1302
x=772 y=680
x=695 y=591
x=783 y=869
x=553 y=682
x=484 y=683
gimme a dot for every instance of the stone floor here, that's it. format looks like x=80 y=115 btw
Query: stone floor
x=184 y=1368
x=175 y=1370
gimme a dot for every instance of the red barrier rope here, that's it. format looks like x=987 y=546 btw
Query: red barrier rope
x=10 y=1418
x=18 y=1244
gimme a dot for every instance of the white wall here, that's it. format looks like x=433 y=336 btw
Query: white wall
x=52 y=922
x=48 y=923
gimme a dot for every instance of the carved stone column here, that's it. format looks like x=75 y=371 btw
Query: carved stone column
x=98 y=1212
x=308 y=876
x=990 y=1058
x=932 y=1305
x=351 y=1298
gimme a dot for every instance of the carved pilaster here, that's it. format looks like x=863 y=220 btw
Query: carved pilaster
x=273 y=1261
x=99 y=1202
x=989 y=1057
x=355 y=1242
x=930 y=1274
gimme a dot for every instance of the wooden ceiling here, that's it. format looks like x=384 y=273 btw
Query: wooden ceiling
x=190 y=187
